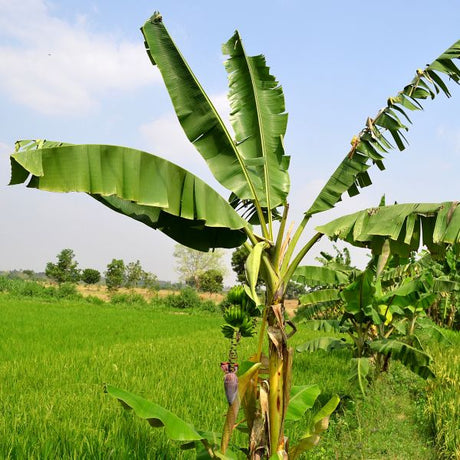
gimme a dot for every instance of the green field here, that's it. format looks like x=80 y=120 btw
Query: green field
x=56 y=356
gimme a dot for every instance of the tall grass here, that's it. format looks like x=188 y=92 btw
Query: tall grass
x=443 y=398
x=55 y=358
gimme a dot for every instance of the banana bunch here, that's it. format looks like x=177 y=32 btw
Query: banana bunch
x=239 y=314
x=237 y=321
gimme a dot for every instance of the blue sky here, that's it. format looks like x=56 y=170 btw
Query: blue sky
x=77 y=72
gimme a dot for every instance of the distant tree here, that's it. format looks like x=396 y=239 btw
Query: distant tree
x=211 y=281
x=192 y=281
x=295 y=290
x=29 y=273
x=133 y=274
x=239 y=256
x=65 y=270
x=150 y=281
x=342 y=257
x=190 y=264
x=90 y=276
x=115 y=274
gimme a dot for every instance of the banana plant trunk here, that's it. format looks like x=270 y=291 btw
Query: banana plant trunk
x=267 y=431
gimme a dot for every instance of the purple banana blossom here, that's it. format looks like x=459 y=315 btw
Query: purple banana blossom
x=230 y=381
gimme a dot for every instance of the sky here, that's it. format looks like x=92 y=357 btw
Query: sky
x=78 y=72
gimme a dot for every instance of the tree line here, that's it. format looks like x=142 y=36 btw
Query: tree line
x=117 y=275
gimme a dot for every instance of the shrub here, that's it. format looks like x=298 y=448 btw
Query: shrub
x=210 y=306
x=94 y=300
x=5 y=284
x=187 y=298
x=32 y=289
x=68 y=291
x=128 y=299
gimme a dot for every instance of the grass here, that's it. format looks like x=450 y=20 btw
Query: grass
x=56 y=356
x=443 y=398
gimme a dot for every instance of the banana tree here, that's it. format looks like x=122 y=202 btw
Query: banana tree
x=381 y=314
x=252 y=164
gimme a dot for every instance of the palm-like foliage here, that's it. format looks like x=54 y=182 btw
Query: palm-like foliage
x=382 y=313
x=252 y=165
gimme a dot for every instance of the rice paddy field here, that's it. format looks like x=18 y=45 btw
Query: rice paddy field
x=56 y=355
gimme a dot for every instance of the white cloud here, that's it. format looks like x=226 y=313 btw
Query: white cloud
x=57 y=67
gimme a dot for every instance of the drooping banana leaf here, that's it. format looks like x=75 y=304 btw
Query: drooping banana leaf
x=416 y=360
x=320 y=423
x=325 y=325
x=176 y=429
x=147 y=188
x=301 y=399
x=402 y=224
x=359 y=294
x=258 y=119
x=370 y=145
x=198 y=117
x=319 y=297
x=312 y=275
x=252 y=267
x=322 y=343
x=359 y=371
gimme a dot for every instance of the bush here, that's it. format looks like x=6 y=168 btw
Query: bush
x=187 y=298
x=210 y=306
x=6 y=284
x=128 y=299
x=27 y=288
x=68 y=291
x=94 y=300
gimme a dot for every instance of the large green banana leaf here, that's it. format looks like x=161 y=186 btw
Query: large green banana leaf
x=319 y=297
x=147 y=188
x=176 y=429
x=405 y=225
x=416 y=360
x=313 y=275
x=258 y=119
x=370 y=145
x=301 y=399
x=205 y=129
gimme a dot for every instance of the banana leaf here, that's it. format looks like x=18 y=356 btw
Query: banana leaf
x=407 y=226
x=325 y=325
x=416 y=360
x=302 y=398
x=142 y=186
x=258 y=120
x=320 y=423
x=319 y=297
x=313 y=275
x=359 y=371
x=359 y=294
x=323 y=343
x=370 y=145
x=238 y=171
x=175 y=428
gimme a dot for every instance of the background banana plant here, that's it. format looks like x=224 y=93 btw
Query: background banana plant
x=252 y=164
x=382 y=314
